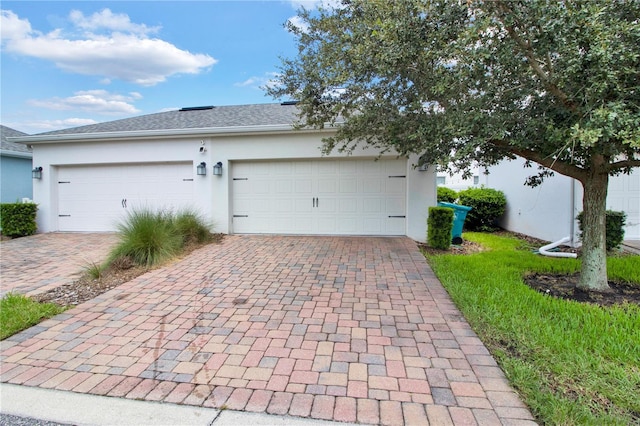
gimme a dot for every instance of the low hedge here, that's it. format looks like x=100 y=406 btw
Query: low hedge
x=18 y=219
x=614 y=224
x=447 y=195
x=439 y=227
x=488 y=205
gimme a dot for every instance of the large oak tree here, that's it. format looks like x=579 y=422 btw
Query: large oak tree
x=470 y=81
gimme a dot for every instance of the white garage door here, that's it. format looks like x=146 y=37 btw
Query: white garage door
x=332 y=197
x=96 y=198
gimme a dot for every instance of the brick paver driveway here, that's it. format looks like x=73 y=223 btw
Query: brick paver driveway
x=40 y=262
x=338 y=328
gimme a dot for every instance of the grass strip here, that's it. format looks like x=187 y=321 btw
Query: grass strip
x=18 y=312
x=572 y=363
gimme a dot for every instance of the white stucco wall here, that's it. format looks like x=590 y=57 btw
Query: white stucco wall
x=548 y=211
x=214 y=196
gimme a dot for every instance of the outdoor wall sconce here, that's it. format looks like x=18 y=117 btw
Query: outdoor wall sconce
x=423 y=168
x=217 y=169
x=201 y=169
x=36 y=173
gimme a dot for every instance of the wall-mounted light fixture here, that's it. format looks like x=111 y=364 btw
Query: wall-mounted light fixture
x=36 y=173
x=423 y=167
x=201 y=169
x=217 y=169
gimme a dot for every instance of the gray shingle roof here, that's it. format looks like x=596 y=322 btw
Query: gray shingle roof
x=223 y=116
x=8 y=132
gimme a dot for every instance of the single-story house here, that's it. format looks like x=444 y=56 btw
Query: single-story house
x=15 y=167
x=549 y=211
x=244 y=168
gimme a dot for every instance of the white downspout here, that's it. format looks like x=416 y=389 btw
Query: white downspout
x=544 y=250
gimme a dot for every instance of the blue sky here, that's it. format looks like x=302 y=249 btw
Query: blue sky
x=66 y=64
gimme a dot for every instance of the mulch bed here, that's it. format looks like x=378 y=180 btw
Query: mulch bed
x=556 y=285
x=566 y=287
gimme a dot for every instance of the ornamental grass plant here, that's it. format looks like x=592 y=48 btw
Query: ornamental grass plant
x=150 y=238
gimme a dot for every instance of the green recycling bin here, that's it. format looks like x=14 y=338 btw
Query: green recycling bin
x=459 y=215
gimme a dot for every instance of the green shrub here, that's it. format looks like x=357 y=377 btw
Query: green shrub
x=18 y=219
x=192 y=227
x=488 y=205
x=147 y=238
x=447 y=195
x=615 y=222
x=440 y=224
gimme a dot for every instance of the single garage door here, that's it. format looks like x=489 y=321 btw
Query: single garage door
x=324 y=197
x=97 y=197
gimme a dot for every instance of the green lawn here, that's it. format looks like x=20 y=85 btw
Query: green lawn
x=18 y=312
x=572 y=363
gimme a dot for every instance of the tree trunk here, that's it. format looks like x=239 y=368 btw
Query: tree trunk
x=593 y=276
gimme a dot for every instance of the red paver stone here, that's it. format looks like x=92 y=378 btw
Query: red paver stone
x=323 y=407
x=238 y=399
x=345 y=410
x=107 y=385
x=179 y=393
x=391 y=413
x=259 y=401
x=280 y=403
x=368 y=411
x=301 y=405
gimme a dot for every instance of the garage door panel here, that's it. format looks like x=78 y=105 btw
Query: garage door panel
x=330 y=197
x=372 y=205
x=372 y=186
x=394 y=226
x=304 y=187
x=327 y=186
x=98 y=197
x=347 y=225
x=348 y=185
x=348 y=205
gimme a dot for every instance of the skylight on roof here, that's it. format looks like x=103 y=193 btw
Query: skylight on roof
x=197 y=108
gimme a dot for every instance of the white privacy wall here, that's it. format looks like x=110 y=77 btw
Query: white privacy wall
x=212 y=193
x=548 y=211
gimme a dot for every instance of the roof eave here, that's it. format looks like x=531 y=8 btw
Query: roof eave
x=164 y=133
x=16 y=154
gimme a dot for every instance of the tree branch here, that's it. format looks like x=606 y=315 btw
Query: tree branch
x=525 y=46
x=551 y=163
x=624 y=164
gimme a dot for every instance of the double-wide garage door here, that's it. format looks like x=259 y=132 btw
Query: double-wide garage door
x=333 y=197
x=96 y=198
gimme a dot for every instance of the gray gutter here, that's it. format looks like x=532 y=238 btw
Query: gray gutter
x=162 y=133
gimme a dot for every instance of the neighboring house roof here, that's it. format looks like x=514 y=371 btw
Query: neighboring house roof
x=13 y=148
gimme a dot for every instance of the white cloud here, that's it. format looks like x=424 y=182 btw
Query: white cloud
x=33 y=127
x=12 y=27
x=299 y=23
x=124 y=52
x=95 y=101
x=312 y=4
x=269 y=79
x=105 y=19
